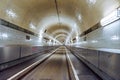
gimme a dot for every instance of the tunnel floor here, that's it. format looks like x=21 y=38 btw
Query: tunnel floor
x=56 y=67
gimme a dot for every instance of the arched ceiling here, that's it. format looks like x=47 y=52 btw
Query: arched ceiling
x=72 y=16
x=60 y=33
x=61 y=38
x=53 y=28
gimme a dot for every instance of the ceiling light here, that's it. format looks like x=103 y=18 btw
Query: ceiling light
x=79 y=17
x=32 y=26
x=110 y=18
x=115 y=37
x=4 y=35
x=118 y=12
x=11 y=13
x=77 y=37
x=94 y=41
x=91 y=1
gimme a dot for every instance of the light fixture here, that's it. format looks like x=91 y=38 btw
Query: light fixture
x=91 y=2
x=110 y=18
x=79 y=17
x=115 y=37
x=40 y=37
x=32 y=26
x=94 y=41
x=4 y=35
x=11 y=13
x=118 y=12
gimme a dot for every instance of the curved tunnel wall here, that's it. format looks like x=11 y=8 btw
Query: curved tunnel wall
x=17 y=47
x=105 y=37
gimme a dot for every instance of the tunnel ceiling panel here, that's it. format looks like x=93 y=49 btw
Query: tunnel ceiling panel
x=60 y=33
x=53 y=29
x=36 y=14
x=62 y=39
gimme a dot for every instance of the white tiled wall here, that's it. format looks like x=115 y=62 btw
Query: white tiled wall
x=10 y=36
x=104 y=37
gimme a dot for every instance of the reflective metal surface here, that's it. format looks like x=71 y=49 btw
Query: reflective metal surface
x=8 y=53
x=105 y=62
x=109 y=63
x=83 y=71
x=26 y=51
x=14 y=67
x=91 y=56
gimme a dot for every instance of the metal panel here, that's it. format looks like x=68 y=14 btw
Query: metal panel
x=105 y=61
x=9 y=53
x=109 y=63
x=37 y=49
x=92 y=57
x=89 y=55
x=26 y=51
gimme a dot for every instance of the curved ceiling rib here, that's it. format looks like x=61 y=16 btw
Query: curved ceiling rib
x=60 y=35
x=53 y=28
x=59 y=31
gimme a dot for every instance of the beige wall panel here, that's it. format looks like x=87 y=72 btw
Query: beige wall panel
x=3 y=5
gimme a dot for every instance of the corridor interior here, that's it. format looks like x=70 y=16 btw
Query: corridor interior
x=59 y=39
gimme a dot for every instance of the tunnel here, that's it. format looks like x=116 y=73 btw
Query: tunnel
x=59 y=39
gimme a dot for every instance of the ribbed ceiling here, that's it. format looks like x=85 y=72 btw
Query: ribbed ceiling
x=70 y=16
